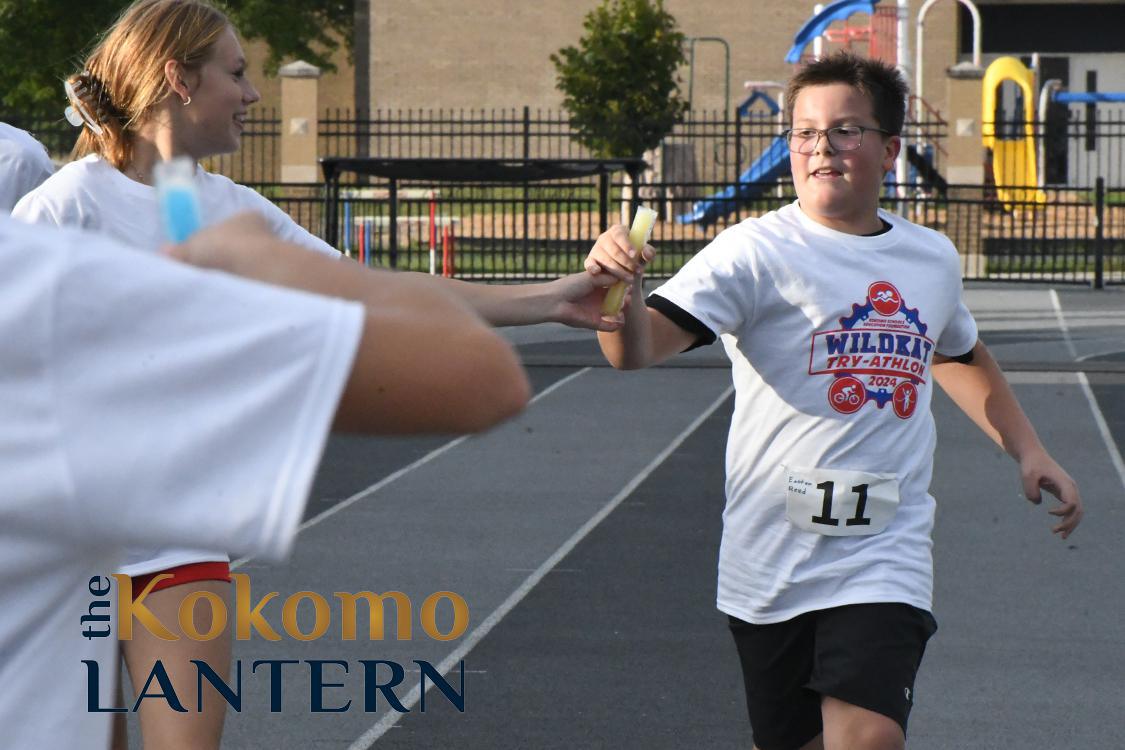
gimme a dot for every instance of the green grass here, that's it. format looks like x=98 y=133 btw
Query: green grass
x=1112 y=197
x=1051 y=265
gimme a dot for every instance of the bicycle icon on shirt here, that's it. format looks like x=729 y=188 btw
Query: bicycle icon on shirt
x=847 y=394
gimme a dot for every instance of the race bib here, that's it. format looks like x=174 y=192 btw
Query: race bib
x=837 y=502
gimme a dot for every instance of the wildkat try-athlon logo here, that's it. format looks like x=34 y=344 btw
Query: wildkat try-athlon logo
x=322 y=677
x=880 y=354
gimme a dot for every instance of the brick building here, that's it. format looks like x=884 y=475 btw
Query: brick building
x=494 y=53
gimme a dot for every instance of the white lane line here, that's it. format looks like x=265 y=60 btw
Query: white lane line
x=1103 y=428
x=377 y=730
x=1116 y=349
x=1099 y=418
x=347 y=502
x=1062 y=325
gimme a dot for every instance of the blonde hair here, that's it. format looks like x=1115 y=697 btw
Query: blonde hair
x=123 y=78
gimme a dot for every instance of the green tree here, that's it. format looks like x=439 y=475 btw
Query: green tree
x=308 y=30
x=619 y=83
x=44 y=41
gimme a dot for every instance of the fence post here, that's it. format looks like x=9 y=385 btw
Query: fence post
x=603 y=201
x=737 y=146
x=526 y=191
x=1099 y=233
x=392 y=199
x=433 y=234
x=634 y=174
x=361 y=125
x=298 y=121
x=331 y=205
x=526 y=132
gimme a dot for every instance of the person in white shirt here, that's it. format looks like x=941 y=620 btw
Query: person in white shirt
x=146 y=95
x=837 y=317
x=24 y=163
x=121 y=371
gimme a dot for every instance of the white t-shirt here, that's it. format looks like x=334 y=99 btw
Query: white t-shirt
x=121 y=375
x=831 y=338
x=92 y=194
x=24 y=163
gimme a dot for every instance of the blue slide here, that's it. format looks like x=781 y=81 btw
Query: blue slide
x=755 y=181
x=815 y=26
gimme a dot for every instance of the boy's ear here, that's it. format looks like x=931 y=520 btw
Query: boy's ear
x=890 y=153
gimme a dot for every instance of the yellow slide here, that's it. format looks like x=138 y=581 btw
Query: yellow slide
x=1014 y=167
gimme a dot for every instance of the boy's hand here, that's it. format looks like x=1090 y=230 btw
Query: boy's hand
x=1039 y=471
x=614 y=254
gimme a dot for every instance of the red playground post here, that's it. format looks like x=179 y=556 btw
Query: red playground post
x=447 y=251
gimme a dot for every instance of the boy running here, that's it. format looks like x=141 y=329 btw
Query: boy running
x=837 y=317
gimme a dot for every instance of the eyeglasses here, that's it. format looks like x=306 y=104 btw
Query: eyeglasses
x=840 y=138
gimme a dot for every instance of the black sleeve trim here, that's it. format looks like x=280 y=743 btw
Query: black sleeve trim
x=704 y=336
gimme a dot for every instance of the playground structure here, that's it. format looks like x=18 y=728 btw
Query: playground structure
x=1015 y=168
x=357 y=218
x=770 y=166
x=1019 y=160
x=361 y=233
x=1018 y=156
x=882 y=34
x=1052 y=91
x=920 y=41
x=886 y=36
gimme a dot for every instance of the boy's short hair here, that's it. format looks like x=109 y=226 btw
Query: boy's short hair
x=875 y=79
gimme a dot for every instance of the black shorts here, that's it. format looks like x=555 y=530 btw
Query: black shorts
x=863 y=654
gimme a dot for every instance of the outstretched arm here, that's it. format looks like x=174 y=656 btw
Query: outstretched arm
x=980 y=389
x=426 y=362
x=575 y=300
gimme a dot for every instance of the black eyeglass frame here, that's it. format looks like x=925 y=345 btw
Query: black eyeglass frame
x=824 y=133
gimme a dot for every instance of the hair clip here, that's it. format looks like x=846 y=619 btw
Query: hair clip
x=78 y=113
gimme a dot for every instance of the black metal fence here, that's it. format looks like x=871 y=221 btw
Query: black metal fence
x=256 y=161
x=1056 y=234
x=1076 y=147
x=1071 y=231
x=500 y=231
x=705 y=147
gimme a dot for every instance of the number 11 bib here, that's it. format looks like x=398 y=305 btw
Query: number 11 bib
x=837 y=502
